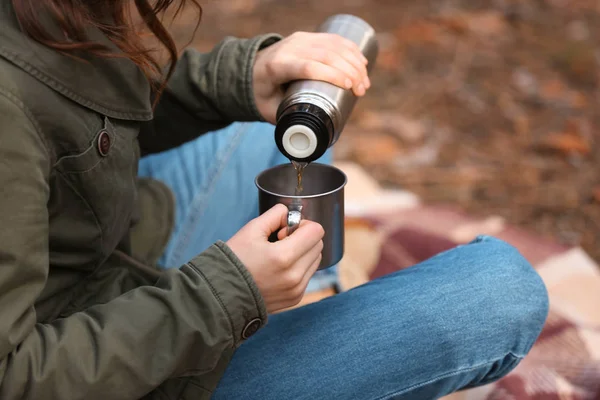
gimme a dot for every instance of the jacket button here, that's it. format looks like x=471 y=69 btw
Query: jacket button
x=103 y=143
x=251 y=328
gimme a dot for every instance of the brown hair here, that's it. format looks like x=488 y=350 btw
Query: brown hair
x=115 y=20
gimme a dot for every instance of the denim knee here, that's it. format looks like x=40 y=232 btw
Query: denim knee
x=516 y=294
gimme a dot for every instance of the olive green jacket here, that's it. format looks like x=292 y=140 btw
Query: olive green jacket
x=84 y=314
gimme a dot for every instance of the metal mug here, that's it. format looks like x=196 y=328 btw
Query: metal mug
x=321 y=201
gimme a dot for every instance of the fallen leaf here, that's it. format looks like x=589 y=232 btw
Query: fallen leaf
x=553 y=90
x=566 y=143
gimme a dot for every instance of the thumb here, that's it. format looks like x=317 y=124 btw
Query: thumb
x=272 y=220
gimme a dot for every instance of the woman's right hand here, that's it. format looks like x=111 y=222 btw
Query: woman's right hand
x=282 y=269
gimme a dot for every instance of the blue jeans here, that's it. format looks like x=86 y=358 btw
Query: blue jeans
x=461 y=319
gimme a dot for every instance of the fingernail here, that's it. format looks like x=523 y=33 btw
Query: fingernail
x=360 y=89
x=367 y=82
x=348 y=83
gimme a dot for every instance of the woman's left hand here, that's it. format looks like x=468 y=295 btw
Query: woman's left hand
x=303 y=55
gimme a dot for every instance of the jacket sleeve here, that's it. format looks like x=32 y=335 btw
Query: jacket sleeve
x=121 y=349
x=206 y=92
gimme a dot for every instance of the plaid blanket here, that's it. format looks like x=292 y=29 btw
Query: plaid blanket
x=392 y=230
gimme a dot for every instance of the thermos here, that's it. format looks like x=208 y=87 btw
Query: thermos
x=313 y=113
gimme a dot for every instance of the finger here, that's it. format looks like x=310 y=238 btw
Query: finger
x=311 y=262
x=353 y=47
x=357 y=63
x=356 y=71
x=283 y=232
x=339 y=41
x=351 y=53
x=314 y=70
x=301 y=241
x=301 y=272
x=305 y=262
x=272 y=220
x=311 y=271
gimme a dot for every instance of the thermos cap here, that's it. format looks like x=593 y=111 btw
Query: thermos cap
x=299 y=141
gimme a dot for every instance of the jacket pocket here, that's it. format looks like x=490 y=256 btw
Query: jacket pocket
x=103 y=142
x=101 y=180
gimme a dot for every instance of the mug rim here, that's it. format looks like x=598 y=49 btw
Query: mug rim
x=312 y=196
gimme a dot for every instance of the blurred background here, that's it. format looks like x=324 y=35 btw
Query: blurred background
x=490 y=106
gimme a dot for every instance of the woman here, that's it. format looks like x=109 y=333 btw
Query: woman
x=84 y=312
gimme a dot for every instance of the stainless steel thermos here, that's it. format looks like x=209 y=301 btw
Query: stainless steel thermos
x=313 y=113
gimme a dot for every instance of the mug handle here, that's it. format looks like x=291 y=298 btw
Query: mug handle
x=294 y=217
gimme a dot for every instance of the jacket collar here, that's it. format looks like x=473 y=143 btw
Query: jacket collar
x=114 y=87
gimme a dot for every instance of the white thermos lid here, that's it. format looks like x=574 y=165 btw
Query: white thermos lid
x=299 y=141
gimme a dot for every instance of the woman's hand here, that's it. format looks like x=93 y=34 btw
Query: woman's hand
x=319 y=56
x=282 y=269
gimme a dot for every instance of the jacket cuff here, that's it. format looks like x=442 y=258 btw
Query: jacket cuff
x=235 y=290
x=235 y=69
